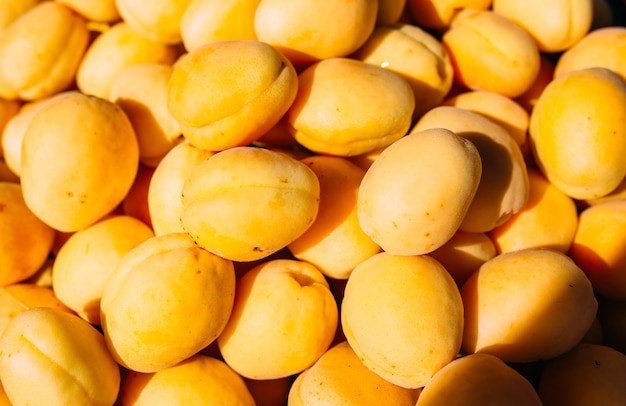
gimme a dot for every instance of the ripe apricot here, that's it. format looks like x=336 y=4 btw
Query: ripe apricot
x=578 y=132
x=233 y=202
x=403 y=317
x=284 y=318
x=50 y=356
x=527 y=305
x=419 y=211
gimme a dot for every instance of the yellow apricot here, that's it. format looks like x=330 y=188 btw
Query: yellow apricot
x=413 y=199
x=233 y=202
x=403 y=317
x=310 y=31
x=503 y=187
x=158 y=20
x=500 y=109
x=229 y=93
x=68 y=179
x=206 y=21
x=438 y=15
x=141 y=91
x=283 y=320
x=19 y=297
x=527 y=305
x=490 y=52
x=556 y=25
x=26 y=240
x=349 y=107
x=104 y=11
x=598 y=247
x=604 y=47
x=549 y=219
x=464 y=253
x=578 y=132
x=165 y=201
x=198 y=380
x=114 y=49
x=166 y=300
x=339 y=377
x=34 y=66
x=49 y=356
x=588 y=374
x=87 y=259
x=335 y=242
x=478 y=379
x=415 y=55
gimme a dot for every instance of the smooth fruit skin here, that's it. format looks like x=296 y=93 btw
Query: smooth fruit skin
x=68 y=177
x=527 y=305
x=578 y=132
x=478 y=379
x=418 y=212
x=49 y=356
x=403 y=317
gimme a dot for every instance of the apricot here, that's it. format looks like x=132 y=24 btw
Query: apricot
x=206 y=21
x=49 y=356
x=87 y=259
x=598 y=247
x=229 y=93
x=549 y=219
x=26 y=240
x=284 y=318
x=114 y=49
x=603 y=47
x=233 y=202
x=156 y=20
x=578 y=132
x=67 y=177
x=339 y=377
x=418 y=212
x=335 y=242
x=503 y=187
x=464 y=253
x=34 y=66
x=166 y=300
x=403 y=317
x=527 y=305
x=165 y=202
x=478 y=379
x=19 y=297
x=12 y=9
x=490 y=52
x=198 y=380
x=349 y=107
x=556 y=26
x=588 y=374
x=141 y=91
x=310 y=31
x=415 y=55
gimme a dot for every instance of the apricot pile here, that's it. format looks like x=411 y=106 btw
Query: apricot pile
x=312 y=202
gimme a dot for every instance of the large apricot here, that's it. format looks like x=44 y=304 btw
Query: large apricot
x=413 y=199
x=527 y=305
x=166 y=300
x=68 y=177
x=578 y=132
x=403 y=317
x=234 y=201
x=229 y=93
